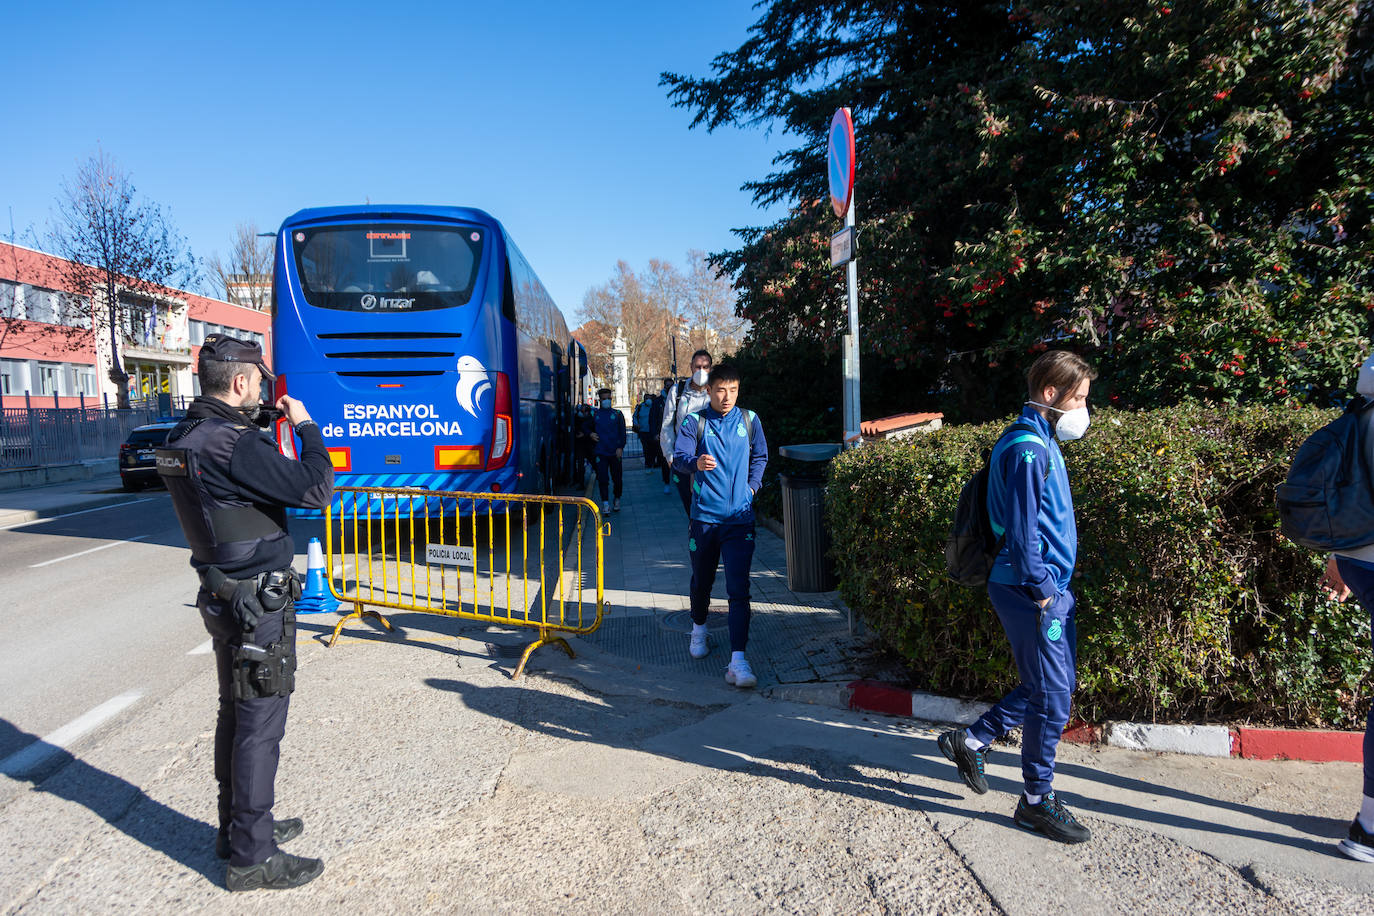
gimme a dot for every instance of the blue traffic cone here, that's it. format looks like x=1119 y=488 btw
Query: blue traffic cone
x=316 y=597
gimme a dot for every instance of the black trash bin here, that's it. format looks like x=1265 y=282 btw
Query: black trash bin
x=809 y=569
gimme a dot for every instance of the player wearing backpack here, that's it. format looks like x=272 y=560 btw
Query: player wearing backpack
x=686 y=399
x=1030 y=506
x=1351 y=570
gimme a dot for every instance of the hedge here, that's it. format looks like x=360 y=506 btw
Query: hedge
x=1192 y=606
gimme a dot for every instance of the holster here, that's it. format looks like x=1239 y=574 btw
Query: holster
x=264 y=671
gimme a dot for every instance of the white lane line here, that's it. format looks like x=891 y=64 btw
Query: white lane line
x=204 y=648
x=53 y=518
x=82 y=553
x=28 y=758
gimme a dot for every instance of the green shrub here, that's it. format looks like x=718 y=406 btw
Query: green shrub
x=1191 y=604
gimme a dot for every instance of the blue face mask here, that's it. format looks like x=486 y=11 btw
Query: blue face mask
x=606 y=404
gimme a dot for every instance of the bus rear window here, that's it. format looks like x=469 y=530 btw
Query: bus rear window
x=388 y=267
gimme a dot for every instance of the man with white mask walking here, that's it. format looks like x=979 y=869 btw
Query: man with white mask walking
x=1030 y=506
x=691 y=397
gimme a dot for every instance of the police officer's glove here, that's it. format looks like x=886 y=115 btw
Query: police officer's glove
x=244 y=605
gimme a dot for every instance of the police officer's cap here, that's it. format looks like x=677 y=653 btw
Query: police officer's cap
x=228 y=349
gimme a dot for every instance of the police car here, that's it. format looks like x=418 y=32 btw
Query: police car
x=137 y=463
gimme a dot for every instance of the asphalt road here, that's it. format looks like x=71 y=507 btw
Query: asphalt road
x=98 y=607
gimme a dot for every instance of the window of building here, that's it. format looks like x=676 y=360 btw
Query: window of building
x=40 y=304
x=74 y=311
x=50 y=378
x=196 y=329
x=11 y=301
x=9 y=377
x=85 y=381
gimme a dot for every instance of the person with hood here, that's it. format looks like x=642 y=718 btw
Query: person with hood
x=1352 y=572
x=689 y=398
x=1030 y=505
x=608 y=434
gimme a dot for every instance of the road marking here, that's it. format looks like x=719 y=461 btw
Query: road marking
x=53 y=518
x=204 y=648
x=28 y=758
x=82 y=553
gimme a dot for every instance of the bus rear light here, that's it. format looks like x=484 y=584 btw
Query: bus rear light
x=457 y=457
x=286 y=436
x=501 y=424
x=496 y=488
x=391 y=385
x=341 y=458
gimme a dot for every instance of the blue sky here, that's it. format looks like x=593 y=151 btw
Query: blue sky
x=547 y=115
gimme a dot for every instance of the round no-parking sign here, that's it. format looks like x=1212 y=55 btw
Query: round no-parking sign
x=841 y=161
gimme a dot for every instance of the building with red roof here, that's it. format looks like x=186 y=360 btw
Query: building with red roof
x=55 y=341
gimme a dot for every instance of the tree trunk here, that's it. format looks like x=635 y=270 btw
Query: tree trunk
x=117 y=373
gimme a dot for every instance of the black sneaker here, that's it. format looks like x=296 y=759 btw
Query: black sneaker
x=279 y=872
x=970 y=763
x=1358 y=844
x=1051 y=818
x=283 y=831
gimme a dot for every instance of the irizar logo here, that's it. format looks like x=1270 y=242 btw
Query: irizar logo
x=473 y=382
x=370 y=302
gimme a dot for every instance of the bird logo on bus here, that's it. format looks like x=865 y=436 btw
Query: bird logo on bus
x=473 y=382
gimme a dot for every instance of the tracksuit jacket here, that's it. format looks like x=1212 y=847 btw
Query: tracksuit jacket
x=1035 y=510
x=724 y=495
x=609 y=425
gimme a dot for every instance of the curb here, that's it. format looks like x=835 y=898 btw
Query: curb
x=1200 y=740
x=16 y=517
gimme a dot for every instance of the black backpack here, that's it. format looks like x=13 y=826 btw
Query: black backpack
x=972 y=548
x=1327 y=502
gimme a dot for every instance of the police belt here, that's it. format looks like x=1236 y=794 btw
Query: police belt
x=274 y=588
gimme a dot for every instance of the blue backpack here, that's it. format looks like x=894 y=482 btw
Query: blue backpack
x=1327 y=502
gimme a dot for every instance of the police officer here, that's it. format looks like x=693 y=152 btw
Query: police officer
x=230 y=487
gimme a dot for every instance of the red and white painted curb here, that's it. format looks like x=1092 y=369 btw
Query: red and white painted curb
x=1203 y=740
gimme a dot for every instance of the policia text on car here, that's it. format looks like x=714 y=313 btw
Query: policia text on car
x=231 y=487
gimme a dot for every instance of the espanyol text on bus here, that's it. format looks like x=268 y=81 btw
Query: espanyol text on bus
x=426 y=348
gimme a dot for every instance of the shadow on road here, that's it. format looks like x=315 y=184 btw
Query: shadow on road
x=612 y=721
x=120 y=803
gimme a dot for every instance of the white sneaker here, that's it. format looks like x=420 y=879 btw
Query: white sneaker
x=616 y=505
x=605 y=508
x=740 y=674
x=700 y=646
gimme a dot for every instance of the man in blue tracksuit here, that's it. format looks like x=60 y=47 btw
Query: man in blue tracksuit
x=722 y=446
x=608 y=432
x=1031 y=506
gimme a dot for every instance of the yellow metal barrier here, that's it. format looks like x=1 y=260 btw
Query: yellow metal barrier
x=508 y=559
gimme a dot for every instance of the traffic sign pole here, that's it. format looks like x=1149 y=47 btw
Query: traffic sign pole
x=851 y=346
x=840 y=168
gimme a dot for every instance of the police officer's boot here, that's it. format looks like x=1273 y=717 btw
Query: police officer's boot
x=280 y=871
x=284 y=830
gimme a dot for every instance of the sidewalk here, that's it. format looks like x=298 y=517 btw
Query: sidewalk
x=793 y=637
x=28 y=503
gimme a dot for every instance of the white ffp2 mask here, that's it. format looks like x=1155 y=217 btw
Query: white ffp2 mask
x=1072 y=424
x=699 y=377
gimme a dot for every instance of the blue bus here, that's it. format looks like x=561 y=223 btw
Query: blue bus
x=426 y=348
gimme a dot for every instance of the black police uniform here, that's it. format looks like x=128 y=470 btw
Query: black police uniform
x=230 y=487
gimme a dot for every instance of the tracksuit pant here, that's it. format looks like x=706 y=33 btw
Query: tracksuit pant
x=709 y=545
x=1360 y=577
x=608 y=465
x=1044 y=642
x=684 y=490
x=248 y=737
